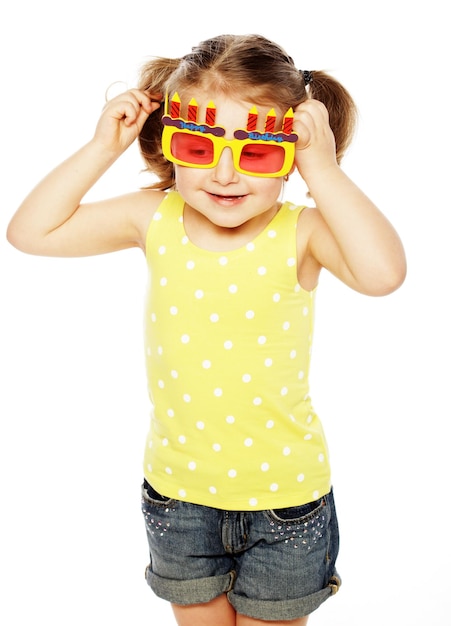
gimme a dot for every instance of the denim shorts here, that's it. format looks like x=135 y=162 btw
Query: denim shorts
x=273 y=565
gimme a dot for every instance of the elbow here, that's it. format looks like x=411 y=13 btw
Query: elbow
x=18 y=238
x=389 y=270
x=395 y=272
x=389 y=286
x=12 y=237
x=389 y=279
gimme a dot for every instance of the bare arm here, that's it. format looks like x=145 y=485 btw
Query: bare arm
x=347 y=233
x=52 y=221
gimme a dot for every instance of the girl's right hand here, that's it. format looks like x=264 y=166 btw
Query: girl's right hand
x=123 y=118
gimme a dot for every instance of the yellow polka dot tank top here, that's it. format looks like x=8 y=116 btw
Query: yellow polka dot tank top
x=228 y=339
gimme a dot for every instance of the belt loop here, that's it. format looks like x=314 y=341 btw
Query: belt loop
x=334 y=583
x=232 y=575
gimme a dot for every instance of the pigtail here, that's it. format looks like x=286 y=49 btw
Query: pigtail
x=154 y=77
x=340 y=105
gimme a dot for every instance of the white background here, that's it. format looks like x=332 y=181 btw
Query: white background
x=74 y=410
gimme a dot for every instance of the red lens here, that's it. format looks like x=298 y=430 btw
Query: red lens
x=192 y=149
x=262 y=158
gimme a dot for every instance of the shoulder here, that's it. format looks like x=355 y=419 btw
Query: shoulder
x=141 y=206
x=311 y=227
x=309 y=222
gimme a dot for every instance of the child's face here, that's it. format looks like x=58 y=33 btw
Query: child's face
x=227 y=197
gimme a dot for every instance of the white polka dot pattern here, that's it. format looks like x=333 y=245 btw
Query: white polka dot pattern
x=228 y=341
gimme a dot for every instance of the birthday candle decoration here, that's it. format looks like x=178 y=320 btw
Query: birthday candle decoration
x=210 y=114
x=287 y=124
x=192 y=110
x=270 y=121
x=252 y=119
x=174 y=110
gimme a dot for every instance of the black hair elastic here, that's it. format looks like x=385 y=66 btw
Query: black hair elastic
x=307 y=76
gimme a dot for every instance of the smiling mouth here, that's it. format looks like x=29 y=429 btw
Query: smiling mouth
x=224 y=197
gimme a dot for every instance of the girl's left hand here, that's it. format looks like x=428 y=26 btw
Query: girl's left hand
x=315 y=148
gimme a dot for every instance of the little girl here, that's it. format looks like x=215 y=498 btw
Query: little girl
x=237 y=495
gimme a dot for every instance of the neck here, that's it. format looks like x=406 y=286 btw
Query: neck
x=205 y=234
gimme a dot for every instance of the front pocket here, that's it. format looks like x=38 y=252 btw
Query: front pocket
x=298 y=514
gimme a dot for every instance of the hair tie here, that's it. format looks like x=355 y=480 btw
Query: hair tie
x=307 y=75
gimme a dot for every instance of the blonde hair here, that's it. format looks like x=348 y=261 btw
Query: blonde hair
x=248 y=67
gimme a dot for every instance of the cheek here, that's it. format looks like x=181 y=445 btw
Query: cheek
x=270 y=187
x=186 y=178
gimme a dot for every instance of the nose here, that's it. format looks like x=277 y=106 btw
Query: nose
x=225 y=172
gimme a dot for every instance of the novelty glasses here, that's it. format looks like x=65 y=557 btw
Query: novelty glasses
x=187 y=143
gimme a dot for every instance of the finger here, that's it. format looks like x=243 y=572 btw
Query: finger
x=149 y=101
x=125 y=110
x=311 y=122
x=155 y=96
x=133 y=97
x=143 y=106
x=132 y=106
x=313 y=105
x=315 y=109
